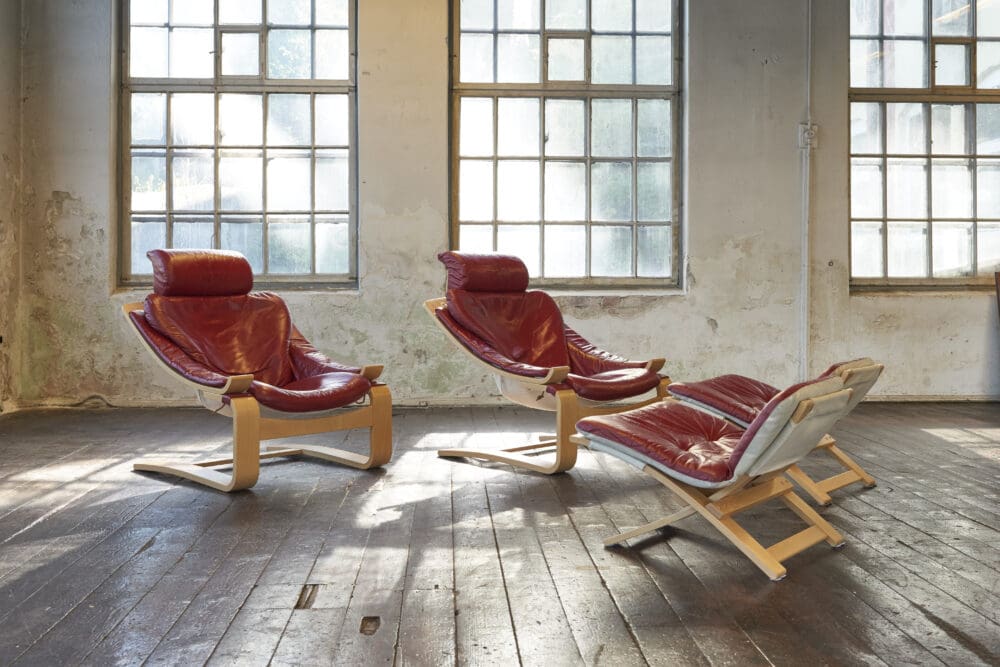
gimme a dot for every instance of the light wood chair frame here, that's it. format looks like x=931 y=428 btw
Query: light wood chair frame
x=252 y=424
x=719 y=508
x=532 y=393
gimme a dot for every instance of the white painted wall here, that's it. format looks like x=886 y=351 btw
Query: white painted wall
x=10 y=161
x=740 y=311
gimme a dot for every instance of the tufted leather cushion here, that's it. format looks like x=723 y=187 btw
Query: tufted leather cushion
x=319 y=392
x=736 y=396
x=200 y=273
x=484 y=273
x=610 y=385
x=525 y=327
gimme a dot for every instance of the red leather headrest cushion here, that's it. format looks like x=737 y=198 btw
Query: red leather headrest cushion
x=200 y=273
x=484 y=273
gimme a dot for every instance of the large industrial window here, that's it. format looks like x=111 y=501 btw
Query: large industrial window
x=564 y=144
x=238 y=133
x=925 y=142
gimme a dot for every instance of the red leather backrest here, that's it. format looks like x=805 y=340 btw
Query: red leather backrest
x=200 y=272
x=241 y=334
x=484 y=273
x=524 y=326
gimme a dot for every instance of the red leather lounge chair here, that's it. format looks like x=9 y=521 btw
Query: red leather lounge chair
x=519 y=336
x=739 y=399
x=243 y=356
x=719 y=469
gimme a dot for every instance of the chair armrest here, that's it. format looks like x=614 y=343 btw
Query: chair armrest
x=371 y=372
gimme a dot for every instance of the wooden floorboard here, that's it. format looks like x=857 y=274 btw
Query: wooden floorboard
x=439 y=562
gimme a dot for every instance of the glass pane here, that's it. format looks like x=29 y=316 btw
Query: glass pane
x=564 y=122
x=653 y=135
x=565 y=60
x=195 y=233
x=241 y=180
x=951 y=188
x=906 y=128
x=907 y=249
x=241 y=120
x=565 y=191
x=988 y=129
x=148 y=11
x=475 y=190
x=565 y=251
x=192 y=119
x=865 y=17
x=245 y=235
x=239 y=11
x=148 y=52
x=149 y=118
x=289 y=245
x=988 y=247
x=149 y=181
x=905 y=64
x=866 y=249
x=289 y=120
x=952 y=242
x=655 y=254
x=566 y=14
x=652 y=15
x=192 y=52
x=476 y=126
x=332 y=54
x=288 y=181
x=333 y=246
x=193 y=181
x=191 y=12
x=240 y=54
x=289 y=54
x=654 y=192
x=904 y=17
x=517 y=59
x=332 y=181
x=907 y=188
x=611 y=191
x=146 y=236
x=866 y=63
x=476 y=62
x=610 y=59
x=988 y=65
x=476 y=15
x=332 y=12
x=951 y=65
x=988 y=188
x=518 y=14
x=987 y=18
x=866 y=187
x=949 y=134
x=332 y=120
x=866 y=127
x=951 y=17
x=289 y=12
x=611 y=128
x=517 y=190
x=611 y=251
x=652 y=60
x=522 y=241
x=475 y=238
x=610 y=16
x=517 y=126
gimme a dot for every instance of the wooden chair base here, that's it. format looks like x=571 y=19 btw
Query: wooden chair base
x=820 y=490
x=720 y=508
x=249 y=428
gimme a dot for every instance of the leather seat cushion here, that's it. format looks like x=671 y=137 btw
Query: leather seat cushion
x=735 y=395
x=612 y=385
x=319 y=392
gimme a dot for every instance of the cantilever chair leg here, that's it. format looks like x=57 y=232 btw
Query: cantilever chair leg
x=820 y=490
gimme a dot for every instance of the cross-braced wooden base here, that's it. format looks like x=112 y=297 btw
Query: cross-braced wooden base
x=569 y=410
x=720 y=508
x=249 y=428
x=820 y=491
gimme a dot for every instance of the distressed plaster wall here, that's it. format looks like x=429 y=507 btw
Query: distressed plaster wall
x=10 y=173
x=739 y=312
x=944 y=344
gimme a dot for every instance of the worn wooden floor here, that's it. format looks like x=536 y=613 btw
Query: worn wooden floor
x=431 y=562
